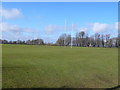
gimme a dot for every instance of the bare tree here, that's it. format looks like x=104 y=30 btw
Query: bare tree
x=87 y=41
x=77 y=39
x=68 y=40
x=82 y=33
x=107 y=39
x=61 y=40
x=102 y=40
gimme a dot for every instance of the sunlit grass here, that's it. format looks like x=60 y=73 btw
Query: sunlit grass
x=34 y=66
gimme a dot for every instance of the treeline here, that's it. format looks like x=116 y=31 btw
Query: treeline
x=29 y=42
x=83 y=40
x=80 y=40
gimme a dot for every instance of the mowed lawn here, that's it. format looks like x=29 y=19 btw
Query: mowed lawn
x=34 y=66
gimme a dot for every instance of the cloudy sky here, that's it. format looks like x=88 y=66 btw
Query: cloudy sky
x=31 y=20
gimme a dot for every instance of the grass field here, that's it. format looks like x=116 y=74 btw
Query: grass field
x=31 y=66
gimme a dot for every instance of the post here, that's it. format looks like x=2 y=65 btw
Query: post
x=65 y=32
x=71 y=36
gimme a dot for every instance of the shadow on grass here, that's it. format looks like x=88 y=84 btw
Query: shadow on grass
x=114 y=88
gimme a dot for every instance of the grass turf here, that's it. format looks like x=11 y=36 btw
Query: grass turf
x=33 y=66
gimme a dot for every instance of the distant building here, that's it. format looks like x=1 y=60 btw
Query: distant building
x=4 y=42
x=28 y=42
x=18 y=42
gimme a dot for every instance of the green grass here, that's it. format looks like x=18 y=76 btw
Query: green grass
x=31 y=66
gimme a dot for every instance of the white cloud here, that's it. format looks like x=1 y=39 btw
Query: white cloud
x=52 y=28
x=49 y=29
x=82 y=29
x=100 y=27
x=6 y=27
x=94 y=27
x=104 y=28
x=15 y=32
x=10 y=13
x=117 y=26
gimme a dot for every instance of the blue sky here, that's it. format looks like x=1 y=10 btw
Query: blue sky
x=46 y=20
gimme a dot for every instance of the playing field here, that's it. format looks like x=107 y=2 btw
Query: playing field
x=34 y=66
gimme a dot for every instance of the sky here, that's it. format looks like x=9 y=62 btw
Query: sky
x=48 y=20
